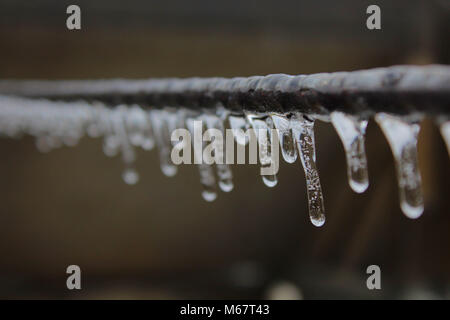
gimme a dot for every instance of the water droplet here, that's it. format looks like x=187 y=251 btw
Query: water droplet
x=351 y=131
x=401 y=135
x=303 y=132
x=288 y=148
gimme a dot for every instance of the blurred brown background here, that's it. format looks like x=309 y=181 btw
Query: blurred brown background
x=159 y=239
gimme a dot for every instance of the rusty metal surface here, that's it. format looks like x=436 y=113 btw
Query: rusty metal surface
x=397 y=89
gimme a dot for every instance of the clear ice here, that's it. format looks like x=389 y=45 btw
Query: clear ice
x=207 y=177
x=283 y=126
x=303 y=132
x=130 y=175
x=125 y=128
x=402 y=133
x=222 y=168
x=262 y=126
x=160 y=124
x=138 y=127
x=351 y=131
x=240 y=125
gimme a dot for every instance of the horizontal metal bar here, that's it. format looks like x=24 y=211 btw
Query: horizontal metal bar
x=397 y=89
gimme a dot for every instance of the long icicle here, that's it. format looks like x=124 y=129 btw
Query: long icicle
x=303 y=132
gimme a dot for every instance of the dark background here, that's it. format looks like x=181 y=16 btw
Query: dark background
x=159 y=239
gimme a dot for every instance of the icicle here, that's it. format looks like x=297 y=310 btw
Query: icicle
x=111 y=142
x=402 y=137
x=148 y=142
x=57 y=124
x=223 y=170
x=303 y=132
x=445 y=132
x=174 y=121
x=97 y=125
x=239 y=125
x=138 y=128
x=351 y=131
x=130 y=175
x=207 y=178
x=111 y=145
x=288 y=149
x=260 y=126
x=162 y=137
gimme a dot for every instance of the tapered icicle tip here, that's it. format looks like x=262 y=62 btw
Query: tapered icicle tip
x=209 y=195
x=226 y=186
x=270 y=181
x=411 y=211
x=358 y=187
x=317 y=220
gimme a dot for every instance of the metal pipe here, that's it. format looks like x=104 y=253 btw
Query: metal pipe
x=397 y=89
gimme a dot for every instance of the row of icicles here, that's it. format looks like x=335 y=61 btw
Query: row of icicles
x=124 y=128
